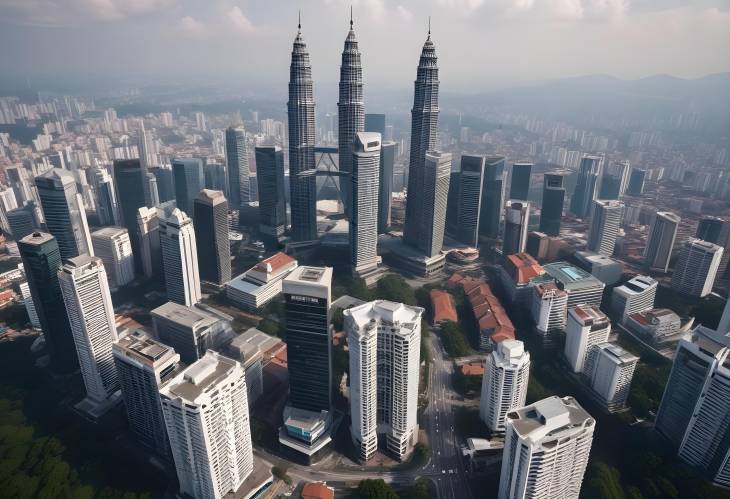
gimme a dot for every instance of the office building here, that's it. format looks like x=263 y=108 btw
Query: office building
x=41 y=262
x=636 y=295
x=615 y=180
x=613 y=370
x=549 y=310
x=519 y=273
x=245 y=349
x=90 y=311
x=300 y=111
x=179 y=256
x=538 y=245
x=693 y=414
x=516 y=223
x=106 y=199
x=431 y=215
x=714 y=230
x=189 y=181
x=424 y=138
x=587 y=327
x=22 y=221
x=7 y=203
x=350 y=113
x=215 y=175
x=130 y=197
x=660 y=242
x=385 y=342
x=113 y=246
x=553 y=198
x=165 y=183
x=364 y=175
x=696 y=268
x=546 y=450
x=468 y=199
x=261 y=283
x=210 y=219
x=385 y=184
x=272 y=197
x=586 y=188
x=582 y=287
x=605 y=226
x=452 y=202
x=504 y=385
x=190 y=330
x=375 y=123
x=148 y=235
x=64 y=212
x=606 y=269
x=237 y=166
x=657 y=325
x=28 y=302
x=207 y=420
x=636 y=182
x=519 y=187
x=492 y=197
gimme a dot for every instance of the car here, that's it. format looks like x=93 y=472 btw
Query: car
x=443 y=472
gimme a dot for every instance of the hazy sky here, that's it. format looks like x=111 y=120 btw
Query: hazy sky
x=478 y=42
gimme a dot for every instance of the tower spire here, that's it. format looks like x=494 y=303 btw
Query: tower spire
x=429 y=27
x=350 y=16
x=299 y=26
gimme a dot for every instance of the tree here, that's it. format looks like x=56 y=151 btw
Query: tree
x=603 y=482
x=393 y=287
x=373 y=489
x=422 y=489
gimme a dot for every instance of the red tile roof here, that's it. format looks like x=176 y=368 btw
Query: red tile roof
x=443 y=306
x=274 y=263
x=472 y=369
x=488 y=310
x=522 y=267
x=317 y=490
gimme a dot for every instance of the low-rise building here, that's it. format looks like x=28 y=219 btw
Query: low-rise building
x=519 y=274
x=494 y=323
x=636 y=295
x=443 y=308
x=657 y=325
x=582 y=287
x=261 y=283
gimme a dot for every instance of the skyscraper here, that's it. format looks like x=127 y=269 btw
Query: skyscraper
x=492 y=197
x=206 y=414
x=553 y=198
x=272 y=198
x=714 y=230
x=106 y=200
x=546 y=450
x=237 y=165
x=130 y=195
x=469 y=199
x=693 y=414
x=7 y=203
x=364 y=176
x=375 y=123
x=586 y=188
x=519 y=187
x=350 y=110
x=300 y=109
x=587 y=327
x=41 y=261
x=696 y=268
x=516 y=223
x=64 y=212
x=436 y=171
x=210 y=219
x=385 y=184
x=165 y=184
x=91 y=314
x=113 y=246
x=660 y=242
x=613 y=370
x=179 y=256
x=636 y=295
x=144 y=365
x=549 y=310
x=504 y=385
x=148 y=234
x=189 y=181
x=636 y=182
x=424 y=137
x=385 y=342
x=605 y=225
x=22 y=221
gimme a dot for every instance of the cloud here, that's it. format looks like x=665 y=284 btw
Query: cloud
x=240 y=22
x=75 y=12
x=467 y=5
x=404 y=14
x=192 y=27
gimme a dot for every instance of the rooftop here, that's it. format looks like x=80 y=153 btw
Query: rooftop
x=571 y=276
x=443 y=306
x=397 y=313
x=143 y=348
x=317 y=490
x=522 y=267
x=180 y=314
x=548 y=417
x=588 y=314
x=618 y=354
x=204 y=374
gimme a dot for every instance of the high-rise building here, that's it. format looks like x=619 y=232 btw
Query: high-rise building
x=714 y=230
x=546 y=450
x=113 y=246
x=375 y=123
x=636 y=182
x=605 y=225
x=22 y=221
x=28 y=302
x=613 y=370
x=549 y=310
x=587 y=327
x=189 y=181
x=519 y=187
x=636 y=295
x=581 y=286
x=492 y=197
x=300 y=110
x=210 y=214
x=615 y=180
x=424 y=138
x=364 y=175
x=385 y=184
x=696 y=268
x=553 y=198
x=239 y=190
x=452 y=202
x=165 y=184
x=385 y=341
x=179 y=256
x=7 y=203
x=468 y=200
x=130 y=195
x=272 y=197
x=144 y=365
x=587 y=186
x=148 y=235
x=206 y=414
x=660 y=242
x=504 y=385
x=693 y=414
x=91 y=314
x=435 y=192
x=41 y=261
x=106 y=200
x=516 y=223
x=64 y=212
x=538 y=245
x=350 y=111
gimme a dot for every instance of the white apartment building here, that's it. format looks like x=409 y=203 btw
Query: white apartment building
x=385 y=342
x=636 y=295
x=364 y=179
x=148 y=224
x=613 y=370
x=605 y=225
x=696 y=268
x=179 y=257
x=504 y=384
x=549 y=309
x=206 y=414
x=112 y=245
x=546 y=450
x=261 y=283
x=587 y=327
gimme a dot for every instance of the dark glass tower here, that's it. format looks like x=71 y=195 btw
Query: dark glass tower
x=350 y=110
x=210 y=220
x=189 y=181
x=553 y=197
x=300 y=108
x=272 y=201
x=385 y=187
x=41 y=262
x=581 y=202
x=469 y=199
x=636 y=182
x=237 y=164
x=130 y=198
x=165 y=184
x=519 y=187
x=424 y=137
x=492 y=197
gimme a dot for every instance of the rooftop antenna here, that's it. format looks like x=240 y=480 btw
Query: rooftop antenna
x=350 y=16
x=429 y=26
x=299 y=26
